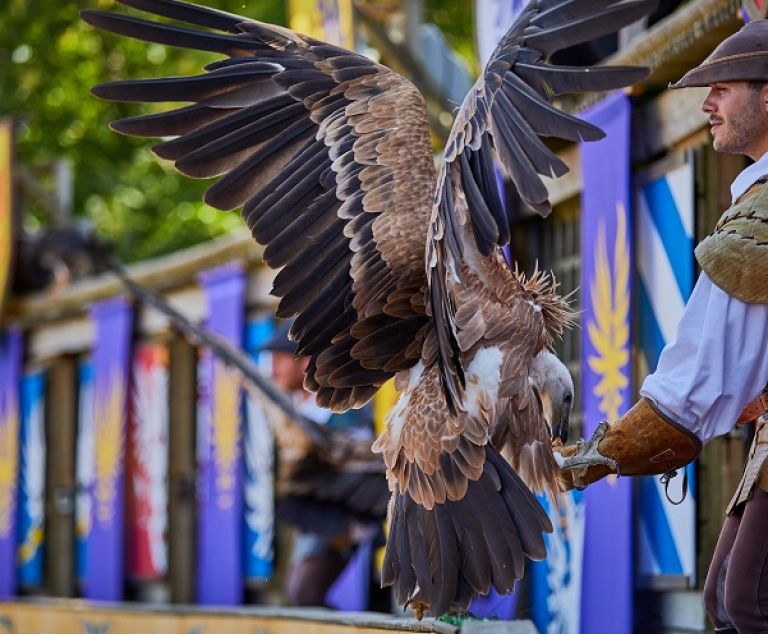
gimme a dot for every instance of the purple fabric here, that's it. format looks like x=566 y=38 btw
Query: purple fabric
x=10 y=369
x=111 y=371
x=607 y=566
x=350 y=590
x=220 y=502
x=495 y=605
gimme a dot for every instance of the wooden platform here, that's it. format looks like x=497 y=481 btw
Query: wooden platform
x=80 y=617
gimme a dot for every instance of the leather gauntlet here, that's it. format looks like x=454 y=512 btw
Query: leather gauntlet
x=642 y=442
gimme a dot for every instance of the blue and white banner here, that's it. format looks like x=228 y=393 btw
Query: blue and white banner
x=606 y=283
x=259 y=465
x=492 y=20
x=556 y=581
x=665 y=243
x=31 y=516
x=85 y=469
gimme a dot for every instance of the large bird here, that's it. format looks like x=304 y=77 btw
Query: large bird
x=342 y=476
x=391 y=266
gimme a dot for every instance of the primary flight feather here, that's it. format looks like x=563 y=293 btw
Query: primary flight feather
x=391 y=267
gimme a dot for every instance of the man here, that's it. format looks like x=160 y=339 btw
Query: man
x=718 y=362
x=320 y=552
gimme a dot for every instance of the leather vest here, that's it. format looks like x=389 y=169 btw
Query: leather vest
x=756 y=469
x=735 y=255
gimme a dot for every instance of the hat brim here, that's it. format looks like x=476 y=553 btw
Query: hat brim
x=728 y=69
x=279 y=341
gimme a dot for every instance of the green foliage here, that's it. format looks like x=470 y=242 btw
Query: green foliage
x=49 y=59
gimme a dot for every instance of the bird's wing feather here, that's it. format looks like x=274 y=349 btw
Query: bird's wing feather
x=507 y=112
x=461 y=518
x=329 y=156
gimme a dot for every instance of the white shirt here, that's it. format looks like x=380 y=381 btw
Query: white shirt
x=718 y=361
x=748 y=176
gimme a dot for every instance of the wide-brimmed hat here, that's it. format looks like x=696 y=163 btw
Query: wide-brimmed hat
x=741 y=57
x=279 y=341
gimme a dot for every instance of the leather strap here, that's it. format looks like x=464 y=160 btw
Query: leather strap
x=755 y=409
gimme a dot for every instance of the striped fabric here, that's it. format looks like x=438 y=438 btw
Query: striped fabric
x=31 y=510
x=665 y=234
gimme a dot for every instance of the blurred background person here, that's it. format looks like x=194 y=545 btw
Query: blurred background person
x=315 y=496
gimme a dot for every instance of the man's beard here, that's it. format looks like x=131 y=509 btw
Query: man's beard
x=741 y=129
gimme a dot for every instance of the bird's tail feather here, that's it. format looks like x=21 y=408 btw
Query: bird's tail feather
x=438 y=559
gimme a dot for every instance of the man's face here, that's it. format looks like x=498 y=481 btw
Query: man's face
x=738 y=118
x=287 y=371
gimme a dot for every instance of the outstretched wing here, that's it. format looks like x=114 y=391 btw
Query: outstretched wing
x=329 y=156
x=489 y=324
x=509 y=111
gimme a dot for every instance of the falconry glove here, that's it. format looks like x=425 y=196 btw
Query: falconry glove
x=642 y=442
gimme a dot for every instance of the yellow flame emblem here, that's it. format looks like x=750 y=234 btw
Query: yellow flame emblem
x=226 y=432
x=9 y=451
x=109 y=448
x=609 y=328
x=29 y=548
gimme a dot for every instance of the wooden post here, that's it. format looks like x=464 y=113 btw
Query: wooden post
x=61 y=425
x=722 y=459
x=181 y=501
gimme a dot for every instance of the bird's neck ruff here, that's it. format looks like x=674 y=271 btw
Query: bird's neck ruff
x=541 y=287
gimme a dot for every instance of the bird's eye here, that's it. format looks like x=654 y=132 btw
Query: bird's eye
x=567 y=399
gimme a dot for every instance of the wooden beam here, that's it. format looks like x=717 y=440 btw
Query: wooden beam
x=681 y=40
x=67 y=336
x=667 y=121
x=182 y=528
x=160 y=274
x=61 y=425
x=569 y=185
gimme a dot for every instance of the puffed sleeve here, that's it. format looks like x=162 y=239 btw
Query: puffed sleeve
x=717 y=363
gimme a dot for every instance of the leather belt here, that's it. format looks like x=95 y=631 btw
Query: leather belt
x=755 y=409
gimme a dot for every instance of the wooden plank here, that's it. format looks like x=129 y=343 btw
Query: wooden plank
x=69 y=336
x=61 y=425
x=181 y=477
x=679 y=42
x=77 y=616
x=667 y=121
x=569 y=185
x=161 y=273
x=722 y=459
x=190 y=302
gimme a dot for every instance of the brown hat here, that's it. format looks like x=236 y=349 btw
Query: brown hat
x=741 y=57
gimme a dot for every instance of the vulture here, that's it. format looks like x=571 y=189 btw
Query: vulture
x=391 y=266
x=332 y=478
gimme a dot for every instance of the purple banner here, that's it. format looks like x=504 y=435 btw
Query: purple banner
x=220 y=502
x=350 y=590
x=607 y=576
x=10 y=369
x=111 y=369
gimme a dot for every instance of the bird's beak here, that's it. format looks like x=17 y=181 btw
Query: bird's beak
x=560 y=422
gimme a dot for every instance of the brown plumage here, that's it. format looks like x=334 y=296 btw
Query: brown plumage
x=391 y=267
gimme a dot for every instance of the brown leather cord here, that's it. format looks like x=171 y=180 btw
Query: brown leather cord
x=754 y=409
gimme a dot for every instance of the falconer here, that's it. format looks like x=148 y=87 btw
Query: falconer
x=718 y=362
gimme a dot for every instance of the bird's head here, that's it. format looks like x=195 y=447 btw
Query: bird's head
x=555 y=387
